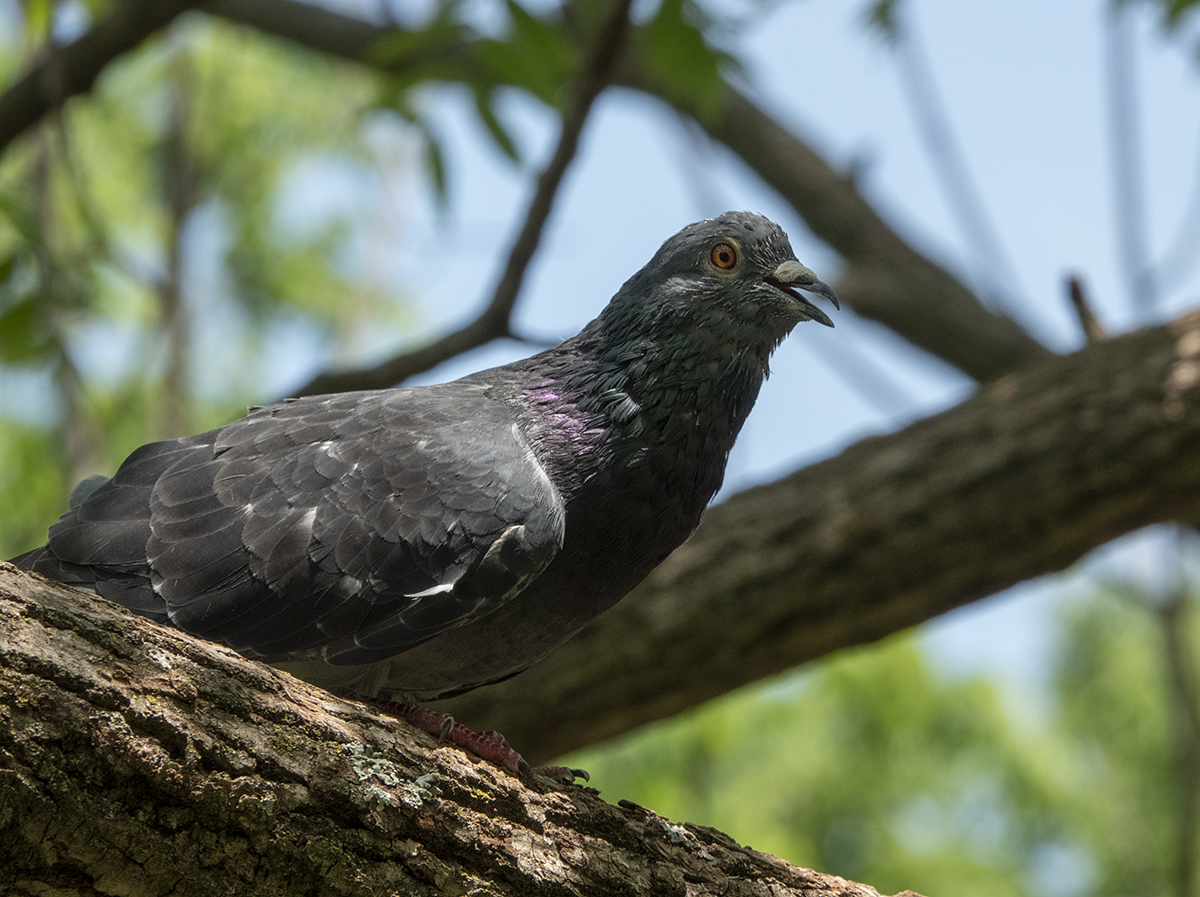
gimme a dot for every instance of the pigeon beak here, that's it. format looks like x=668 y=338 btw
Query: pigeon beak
x=792 y=276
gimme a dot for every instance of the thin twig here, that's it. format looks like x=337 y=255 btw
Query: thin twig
x=1093 y=330
x=904 y=291
x=1128 y=185
x=493 y=322
x=998 y=278
x=1181 y=256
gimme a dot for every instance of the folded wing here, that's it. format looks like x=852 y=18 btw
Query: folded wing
x=348 y=527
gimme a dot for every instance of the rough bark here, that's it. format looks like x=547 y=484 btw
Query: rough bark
x=136 y=760
x=1021 y=480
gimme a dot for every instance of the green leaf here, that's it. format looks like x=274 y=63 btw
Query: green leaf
x=21 y=219
x=435 y=52
x=24 y=336
x=881 y=17
x=6 y=267
x=485 y=106
x=435 y=162
x=547 y=54
x=1177 y=8
x=680 y=58
x=535 y=54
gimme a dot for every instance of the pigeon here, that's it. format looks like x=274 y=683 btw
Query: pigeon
x=413 y=543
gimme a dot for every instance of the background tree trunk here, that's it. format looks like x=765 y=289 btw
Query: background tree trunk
x=1023 y=479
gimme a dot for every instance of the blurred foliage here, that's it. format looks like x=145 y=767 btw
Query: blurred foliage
x=31 y=484
x=1111 y=683
x=187 y=150
x=877 y=767
x=882 y=17
x=678 y=48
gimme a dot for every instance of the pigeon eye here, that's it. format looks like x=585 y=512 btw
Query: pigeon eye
x=724 y=256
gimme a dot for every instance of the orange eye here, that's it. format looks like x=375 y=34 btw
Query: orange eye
x=723 y=256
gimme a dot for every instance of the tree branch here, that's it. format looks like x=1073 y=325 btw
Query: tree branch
x=137 y=760
x=886 y=279
x=493 y=323
x=1092 y=329
x=73 y=69
x=305 y=24
x=127 y=747
x=1021 y=480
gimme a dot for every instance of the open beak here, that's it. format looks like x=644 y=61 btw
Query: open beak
x=791 y=277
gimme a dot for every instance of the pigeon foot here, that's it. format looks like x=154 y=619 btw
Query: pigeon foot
x=489 y=745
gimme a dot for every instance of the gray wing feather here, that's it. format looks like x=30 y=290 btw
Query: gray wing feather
x=354 y=526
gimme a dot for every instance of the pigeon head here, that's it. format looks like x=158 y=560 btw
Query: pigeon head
x=735 y=274
x=685 y=344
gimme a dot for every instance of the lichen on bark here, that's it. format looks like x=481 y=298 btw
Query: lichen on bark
x=139 y=761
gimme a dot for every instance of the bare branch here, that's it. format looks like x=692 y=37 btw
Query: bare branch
x=1021 y=480
x=886 y=279
x=1093 y=330
x=996 y=273
x=1128 y=184
x=493 y=323
x=304 y=23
